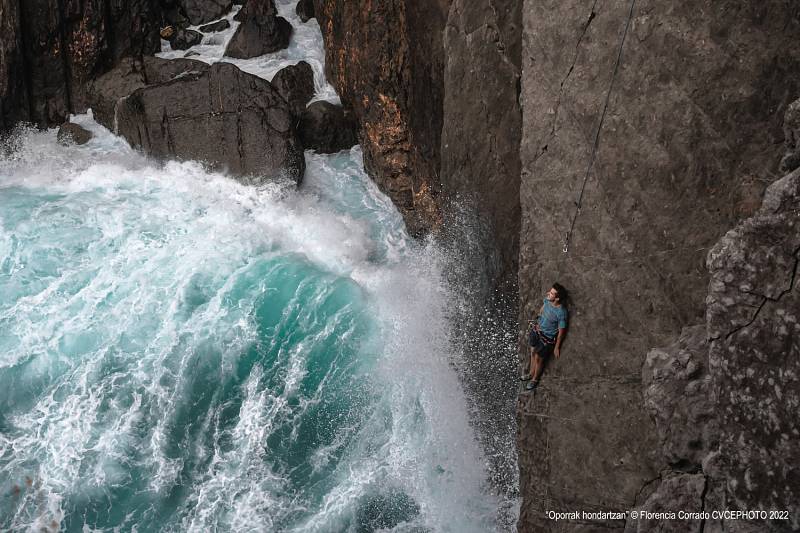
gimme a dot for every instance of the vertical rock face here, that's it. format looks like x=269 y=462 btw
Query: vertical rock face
x=753 y=320
x=691 y=137
x=13 y=86
x=482 y=122
x=385 y=60
x=58 y=46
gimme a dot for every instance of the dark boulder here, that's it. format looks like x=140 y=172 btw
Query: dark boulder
x=69 y=133
x=130 y=75
x=226 y=117
x=202 y=11
x=295 y=84
x=261 y=31
x=327 y=128
x=185 y=39
x=220 y=25
x=305 y=10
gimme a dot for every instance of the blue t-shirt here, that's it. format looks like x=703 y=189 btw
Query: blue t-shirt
x=552 y=319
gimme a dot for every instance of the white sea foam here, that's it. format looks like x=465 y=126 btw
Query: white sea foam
x=305 y=45
x=134 y=275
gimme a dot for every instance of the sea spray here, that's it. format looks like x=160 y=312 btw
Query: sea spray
x=182 y=352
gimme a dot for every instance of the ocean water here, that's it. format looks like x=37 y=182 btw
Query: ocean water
x=182 y=352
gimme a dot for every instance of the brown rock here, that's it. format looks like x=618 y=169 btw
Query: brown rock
x=385 y=60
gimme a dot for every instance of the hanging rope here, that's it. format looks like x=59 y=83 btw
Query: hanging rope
x=579 y=203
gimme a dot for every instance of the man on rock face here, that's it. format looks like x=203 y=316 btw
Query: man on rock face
x=547 y=333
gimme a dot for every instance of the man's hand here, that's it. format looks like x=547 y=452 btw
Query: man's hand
x=557 y=352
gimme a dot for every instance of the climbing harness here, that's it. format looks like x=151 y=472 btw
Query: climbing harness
x=593 y=155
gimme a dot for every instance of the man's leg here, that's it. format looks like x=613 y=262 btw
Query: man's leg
x=536 y=367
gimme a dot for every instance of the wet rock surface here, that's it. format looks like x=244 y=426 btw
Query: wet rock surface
x=295 y=84
x=226 y=117
x=261 y=31
x=70 y=133
x=53 y=49
x=220 y=25
x=202 y=11
x=130 y=75
x=386 y=61
x=327 y=128
x=185 y=39
x=305 y=10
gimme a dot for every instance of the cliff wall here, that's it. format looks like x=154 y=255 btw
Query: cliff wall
x=689 y=112
x=51 y=49
x=691 y=137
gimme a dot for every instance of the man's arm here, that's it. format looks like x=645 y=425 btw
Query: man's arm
x=561 y=333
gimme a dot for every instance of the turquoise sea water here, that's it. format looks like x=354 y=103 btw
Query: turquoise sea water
x=181 y=352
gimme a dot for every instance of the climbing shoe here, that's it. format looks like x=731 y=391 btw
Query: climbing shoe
x=532 y=385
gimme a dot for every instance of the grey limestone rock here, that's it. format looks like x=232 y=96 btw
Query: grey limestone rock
x=679 y=397
x=753 y=318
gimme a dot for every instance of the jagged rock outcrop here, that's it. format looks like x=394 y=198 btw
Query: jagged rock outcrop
x=54 y=48
x=754 y=322
x=327 y=128
x=673 y=147
x=226 y=117
x=295 y=84
x=385 y=60
x=725 y=397
x=679 y=492
x=261 y=31
x=679 y=396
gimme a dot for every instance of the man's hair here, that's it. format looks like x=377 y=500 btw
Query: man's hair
x=562 y=292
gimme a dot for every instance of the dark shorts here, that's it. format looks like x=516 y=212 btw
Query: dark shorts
x=541 y=344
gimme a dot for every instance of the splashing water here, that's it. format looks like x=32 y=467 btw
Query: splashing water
x=182 y=352
x=305 y=45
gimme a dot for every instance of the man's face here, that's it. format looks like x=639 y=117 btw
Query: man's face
x=552 y=295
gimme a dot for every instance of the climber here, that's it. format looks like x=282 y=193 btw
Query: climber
x=547 y=333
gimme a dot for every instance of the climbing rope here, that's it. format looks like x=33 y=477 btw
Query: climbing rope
x=593 y=155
